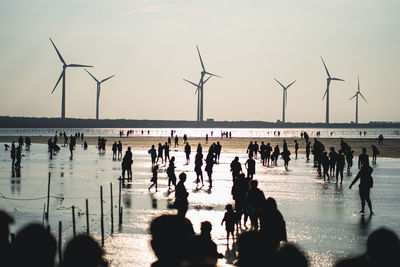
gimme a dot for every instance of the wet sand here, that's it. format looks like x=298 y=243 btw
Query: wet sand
x=389 y=149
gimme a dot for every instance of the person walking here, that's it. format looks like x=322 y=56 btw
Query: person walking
x=339 y=166
x=160 y=153
x=375 y=152
x=251 y=167
x=154 y=178
x=236 y=168
x=127 y=164
x=363 y=159
x=198 y=162
x=366 y=183
x=296 y=147
x=209 y=167
x=187 y=152
x=171 y=173
x=153 y=155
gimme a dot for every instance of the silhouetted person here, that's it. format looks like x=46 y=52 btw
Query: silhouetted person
x=181 y=195
x=349 y=158
x=218 y=149
x=239 y=190
x=160 y=153
x=199 y=148
x=272 y=224
x=206 y=138
x=154 y=178
x=363 y=159
x=308 y=149
x=171 y=173
x=380 y=139
x=268 y=151
x=339 y=166
x=230 y=221
x=83 y=251
x=263 y=152
x=114 y=150
x=176 y=141
x=5 y=244
x=252 y=251
x=375 y=152
x=198 y=162
x=290 y=255
x=119 y=146
x=286 y=158
x=12 y=154
x=332 y=160
x=71 y=148
x=168 y=229
x=21 y=141
x=209 y=168
x=250 y=149
x=255 y=149
x=188 y=150
x=251 y=167
x=236 y=168
x=127 y=164
x=153 y=154
x=166 y=152
x=296 y=147
x=18 y=157
x=275 y=155
x=383 y=248
x=366 y=183
x=254 y=201
x=325 y=165
x=85 y=145
x=34 y=246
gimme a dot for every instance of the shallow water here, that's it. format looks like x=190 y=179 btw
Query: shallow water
x=320 y=217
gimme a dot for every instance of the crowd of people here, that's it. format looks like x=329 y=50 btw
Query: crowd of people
x=264 y=243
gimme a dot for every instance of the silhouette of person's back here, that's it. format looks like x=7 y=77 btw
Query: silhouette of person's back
x=34 y=246
x=83 y=251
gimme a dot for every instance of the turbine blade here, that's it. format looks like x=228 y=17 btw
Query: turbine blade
x=58 y=53
x=327 y=72
x=207 y=79
x=324 y=94
x=213 y=74
x=358 y=83
x=91 y=75
x=280 y=83
x=327 y=88
x=337 y=79
x=62 y=74
x=78 y=65
x=201 y=61
x=363 y=98
x=191 y=82
x=290 y=84
x=107 y=78
x=353 y=97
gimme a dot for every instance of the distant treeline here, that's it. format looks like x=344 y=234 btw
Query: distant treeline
x=25 y=122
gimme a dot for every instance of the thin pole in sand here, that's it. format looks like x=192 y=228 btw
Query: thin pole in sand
x=101 y=216
x=48 y=198
x=119 y=202
x=59 y=241
x=73 y=221
x=87 y=216
x=112 y=214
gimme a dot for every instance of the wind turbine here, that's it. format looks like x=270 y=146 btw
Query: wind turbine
x=65 y=66
x=356 y=96
x=328 y=81
x=98 y=91
x=200 y=87
x=284 y=98
x=198 y=94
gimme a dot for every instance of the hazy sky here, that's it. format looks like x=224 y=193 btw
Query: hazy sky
x=151 y=46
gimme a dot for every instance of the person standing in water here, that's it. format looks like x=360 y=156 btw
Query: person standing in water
x=127 y=164
x=114 y=150
x=153 y=155
x=236 y=168
x=166 y=152
x=198 y=162
x=154 y=178
x=296 y=147
x=171 y=173
x=375 y=152
x=251 y=167
x=12 y=154
x=363 y=159
x=366 y=183
x=187 y=153
x=160 y=153
x=339 y=166
x=308 y=146
x=209 y=167
x=119 y=146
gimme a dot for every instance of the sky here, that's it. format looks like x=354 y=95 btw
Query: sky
x=151 y=46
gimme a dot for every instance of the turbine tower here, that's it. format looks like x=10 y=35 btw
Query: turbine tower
x=200 y=87
x=284 y=98
x=328 y=82
x=65 y=66
x=198 y=94
x=356 y=96
x=98 y=91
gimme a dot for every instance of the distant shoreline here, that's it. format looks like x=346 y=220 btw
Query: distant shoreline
x=31 y=122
